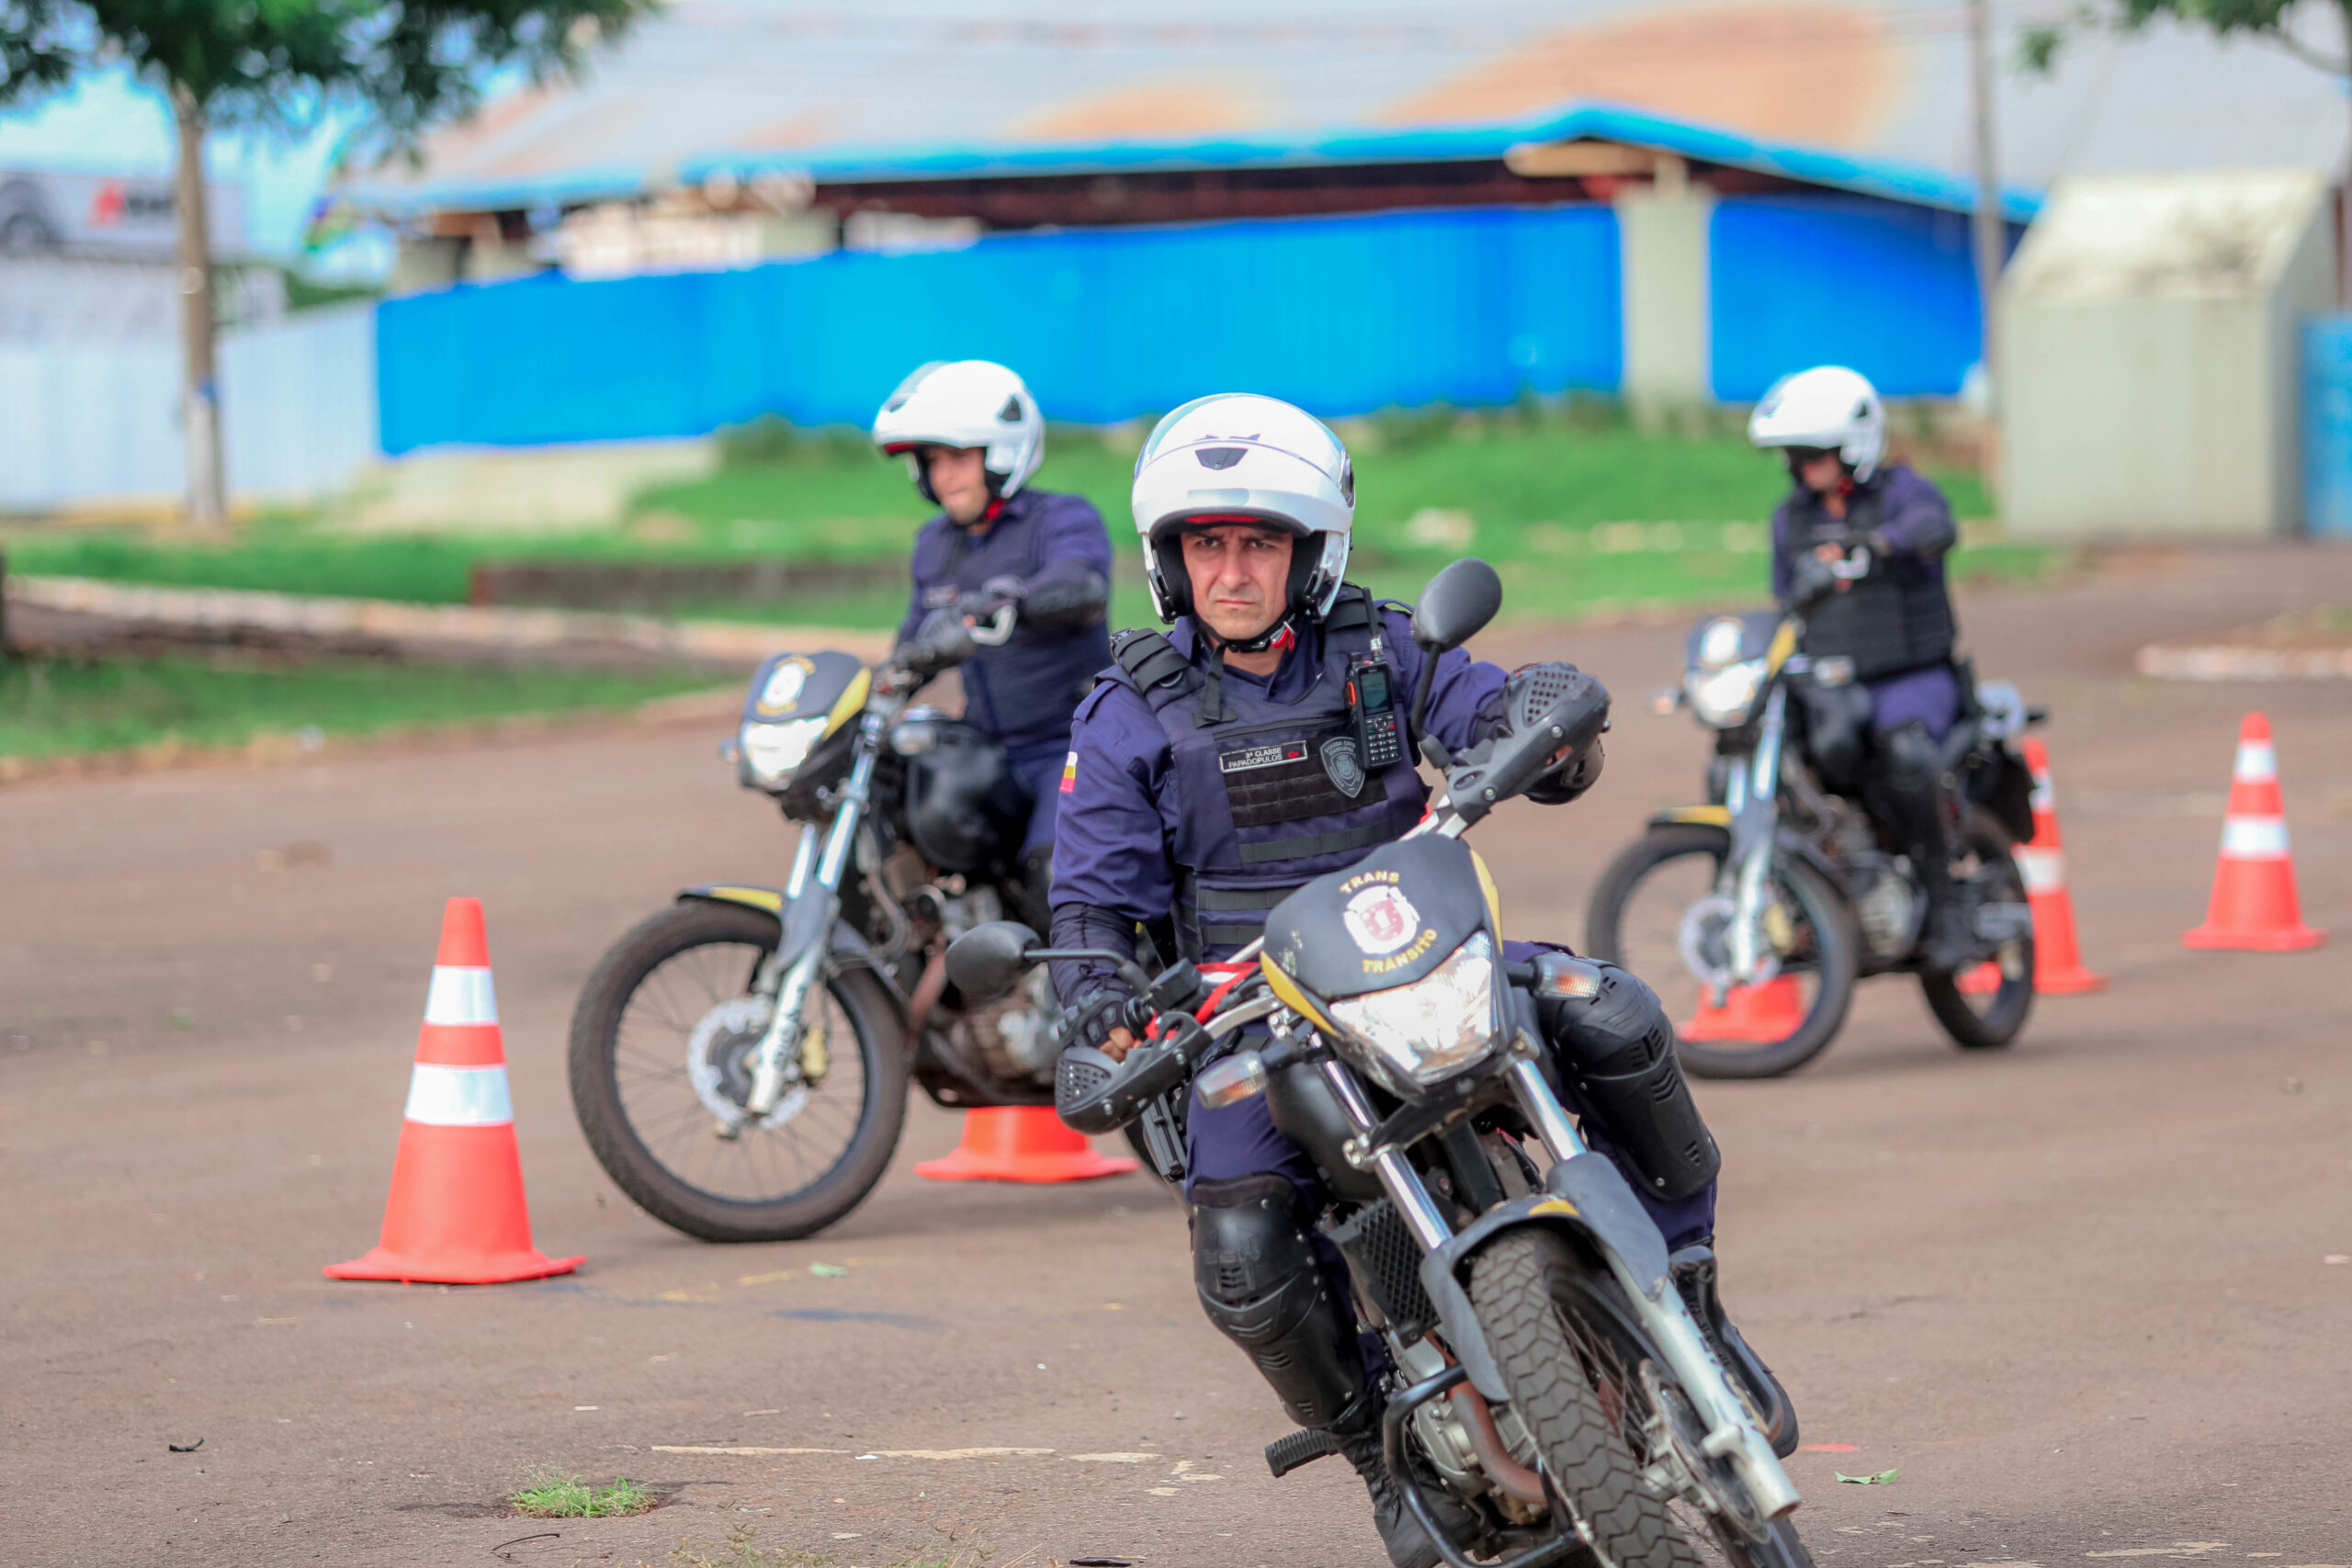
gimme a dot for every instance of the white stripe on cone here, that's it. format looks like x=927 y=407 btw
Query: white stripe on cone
x=458 y=1097
x=2258 y=761
x=2044 y=870
x=461 y=996
x=2255 y=838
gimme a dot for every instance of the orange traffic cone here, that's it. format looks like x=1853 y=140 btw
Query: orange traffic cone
x=1753 y=1015
x=456 y=1216
x=2254 y=904
x=2057 y=958
x=1021 y=1143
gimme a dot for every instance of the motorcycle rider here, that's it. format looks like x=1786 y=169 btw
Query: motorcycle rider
x=1857 y=549
x=972 y=436
x=1215 y=768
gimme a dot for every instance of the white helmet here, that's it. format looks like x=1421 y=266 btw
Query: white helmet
x=1829 y=407
x=1237 y=456
x=965 y=403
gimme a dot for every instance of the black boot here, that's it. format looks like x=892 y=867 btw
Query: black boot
x=1906 y=790
x=1694 y=1275
x=1358 y=1436
x=1949 y=942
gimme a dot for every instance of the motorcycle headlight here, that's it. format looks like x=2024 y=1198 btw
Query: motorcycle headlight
x=1437 y=1025
x=1723 y=697
x=773 y=752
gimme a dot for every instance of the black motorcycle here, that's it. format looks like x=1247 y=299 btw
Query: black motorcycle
x=739 y=1060
x=1758 y=911
x=1544 y=1371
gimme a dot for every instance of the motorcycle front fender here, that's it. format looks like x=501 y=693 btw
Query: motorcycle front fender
x=1585 y=1196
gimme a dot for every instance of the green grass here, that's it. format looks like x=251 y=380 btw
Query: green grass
x=51 y=707
x=1538 y=493
x=551 y=1494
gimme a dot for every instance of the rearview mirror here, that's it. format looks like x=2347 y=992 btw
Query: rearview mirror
x=985 y=961
x=1457 y=604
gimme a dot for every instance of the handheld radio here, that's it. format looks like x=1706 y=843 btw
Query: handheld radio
x=1372 y=707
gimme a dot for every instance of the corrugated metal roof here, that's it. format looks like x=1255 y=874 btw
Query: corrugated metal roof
x=1867 y=94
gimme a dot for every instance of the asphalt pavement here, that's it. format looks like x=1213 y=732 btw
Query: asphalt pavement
x=2086 y=1297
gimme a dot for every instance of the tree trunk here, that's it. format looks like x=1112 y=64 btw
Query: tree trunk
x=1988 y=230
x=207 y=505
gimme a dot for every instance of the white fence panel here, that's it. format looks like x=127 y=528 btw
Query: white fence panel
x=78 y=423
x=87 y=425
x=299 y=402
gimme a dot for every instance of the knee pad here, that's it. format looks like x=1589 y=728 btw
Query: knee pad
x=1616 y=1053
x=1265 y=1289
x=1907 y=786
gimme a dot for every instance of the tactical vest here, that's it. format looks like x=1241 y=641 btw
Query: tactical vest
x=1275 y=794
x=1027 y=688
x=1884 y=624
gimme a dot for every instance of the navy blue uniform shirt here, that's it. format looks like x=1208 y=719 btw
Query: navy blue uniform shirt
x=1023 y=692
x=1119 y=801
x=1913 y=514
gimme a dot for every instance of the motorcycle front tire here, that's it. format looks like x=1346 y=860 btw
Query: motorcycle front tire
x=1839 y=945
x=879 y=1040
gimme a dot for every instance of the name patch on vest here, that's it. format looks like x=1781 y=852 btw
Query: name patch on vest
x=1261 y=757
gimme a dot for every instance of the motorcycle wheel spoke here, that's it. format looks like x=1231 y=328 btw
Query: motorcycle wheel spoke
x=674 y=1125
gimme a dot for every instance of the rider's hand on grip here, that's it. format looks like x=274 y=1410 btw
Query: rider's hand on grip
x=1095 y=1094
x=1555 y=712
x=1809 y=577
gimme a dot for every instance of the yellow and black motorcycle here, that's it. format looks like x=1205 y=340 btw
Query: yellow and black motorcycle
x=1755 y=914
x=739 y=1060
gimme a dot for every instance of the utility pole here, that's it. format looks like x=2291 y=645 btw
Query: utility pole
x=1989 y=228
x=200 y=381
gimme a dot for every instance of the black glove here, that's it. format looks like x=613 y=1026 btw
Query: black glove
x=1091 y=1021
x=941 y=640
x=982 y=602
x=1810 y=578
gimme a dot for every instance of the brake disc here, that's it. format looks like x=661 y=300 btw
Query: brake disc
x=718 y=1064
x=1704 y=942
x=1680 y=1464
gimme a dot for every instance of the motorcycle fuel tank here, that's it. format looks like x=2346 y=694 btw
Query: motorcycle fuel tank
x=959 y=809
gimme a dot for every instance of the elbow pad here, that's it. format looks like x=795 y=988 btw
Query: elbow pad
x=1065 y=596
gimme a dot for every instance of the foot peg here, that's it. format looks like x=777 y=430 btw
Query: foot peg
x=1303 y=1447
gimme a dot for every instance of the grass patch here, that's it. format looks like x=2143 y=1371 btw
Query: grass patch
x=550 y=1493
x=1541 y=491
x=51 y=707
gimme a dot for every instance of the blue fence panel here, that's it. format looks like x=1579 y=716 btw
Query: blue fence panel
x=1887 y=289
x=2327 y=424
x=1342 y=315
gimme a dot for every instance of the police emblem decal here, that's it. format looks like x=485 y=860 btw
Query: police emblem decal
x=1381 y=919
x=1343 y=764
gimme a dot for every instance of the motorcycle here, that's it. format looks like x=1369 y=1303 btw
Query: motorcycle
x=739 y=1060
x=1780 y=893
x=1544 y=1367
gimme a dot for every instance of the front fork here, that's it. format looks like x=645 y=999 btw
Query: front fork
x=1732 y=1432
x=1752 y=797
x=813 y=901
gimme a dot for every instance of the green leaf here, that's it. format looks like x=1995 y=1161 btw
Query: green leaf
x=827 y=1271
x=1884 y=1477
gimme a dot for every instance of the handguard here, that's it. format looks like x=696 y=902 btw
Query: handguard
x=1094 y=1094
x=1555 y=712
